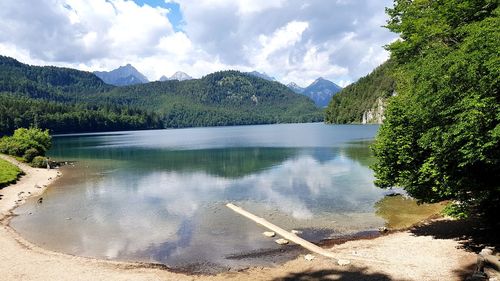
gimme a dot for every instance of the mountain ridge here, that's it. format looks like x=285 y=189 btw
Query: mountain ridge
x=68 y=100
x=122 y=76
x=320 y=91
x=262 y=75
x=296 y=88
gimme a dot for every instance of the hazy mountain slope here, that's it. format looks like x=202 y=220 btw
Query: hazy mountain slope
x=295 y=88
x=261 y=75
x=122 y=76
x=321 y=91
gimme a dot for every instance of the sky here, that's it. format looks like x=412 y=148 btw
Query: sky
x=291 y=40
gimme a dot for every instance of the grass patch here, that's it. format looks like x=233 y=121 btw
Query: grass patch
x=9 y=173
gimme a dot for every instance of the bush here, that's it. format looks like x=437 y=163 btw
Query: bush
x=26 y=143
x=10 y=147
x=456 y=210
x=39 y=162
x=30 y=154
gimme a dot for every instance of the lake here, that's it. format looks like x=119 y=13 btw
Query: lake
x=159 y=196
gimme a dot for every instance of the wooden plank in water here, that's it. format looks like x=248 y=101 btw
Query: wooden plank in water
x=285 y=234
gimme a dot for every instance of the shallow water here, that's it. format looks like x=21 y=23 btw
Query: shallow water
x=159 y=196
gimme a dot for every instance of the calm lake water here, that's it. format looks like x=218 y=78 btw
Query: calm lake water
x=158 y=196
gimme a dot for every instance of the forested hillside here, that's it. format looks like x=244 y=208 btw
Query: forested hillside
x=68 y=100
x=361 y=97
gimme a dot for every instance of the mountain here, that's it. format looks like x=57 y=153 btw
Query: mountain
x=261 y=75
x=122 y=76
x=179 y=76
x=321 y=91
x=295 y=88
x=67 y=100
x=363 y=101
x=47 y=82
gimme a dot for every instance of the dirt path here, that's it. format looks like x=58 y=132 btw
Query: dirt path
x=409 y=255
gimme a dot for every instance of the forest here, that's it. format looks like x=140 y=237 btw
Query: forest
x=349 y=105
x=67 y=101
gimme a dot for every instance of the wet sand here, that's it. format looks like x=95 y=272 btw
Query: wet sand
x=406 y=255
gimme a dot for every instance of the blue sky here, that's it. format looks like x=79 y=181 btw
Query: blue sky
x=292 y=40
x=174 y=16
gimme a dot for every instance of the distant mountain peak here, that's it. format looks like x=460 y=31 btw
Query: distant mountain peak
x=296 y=88
x=321 y=80
x=262 y=75
x=321 y=91
x=181 y=76
x=122 y=76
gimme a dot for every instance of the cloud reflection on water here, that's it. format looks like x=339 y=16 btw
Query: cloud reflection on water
x=168 y=206
x=163 y=202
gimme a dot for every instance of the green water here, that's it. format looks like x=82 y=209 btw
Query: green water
x=159 y=196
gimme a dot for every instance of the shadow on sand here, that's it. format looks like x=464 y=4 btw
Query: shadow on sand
x=473 y=234
x=351 y=273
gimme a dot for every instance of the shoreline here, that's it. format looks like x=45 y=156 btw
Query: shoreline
x=401 y=255
x=33 y=182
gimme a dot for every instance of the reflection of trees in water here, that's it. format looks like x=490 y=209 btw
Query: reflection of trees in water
x=224 y=162
x=360 y=152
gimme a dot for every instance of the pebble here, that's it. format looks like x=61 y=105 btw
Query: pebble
x=269 y=233
x=309 y=257
x=342 y=262
x=296 y=231
x=281 y=241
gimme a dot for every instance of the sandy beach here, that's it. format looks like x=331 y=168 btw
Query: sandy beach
x=422 y=253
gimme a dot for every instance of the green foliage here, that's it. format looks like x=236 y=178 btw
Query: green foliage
x=441 y=136
x=39 y=162
x=26 y=143
x=456 y=210
x=8 y=173
x=349 y=105
x=65 y=100
x=30 y=154
x=16 y=112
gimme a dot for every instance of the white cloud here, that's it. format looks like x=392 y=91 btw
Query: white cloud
x=284 y=37
x=292 y=40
